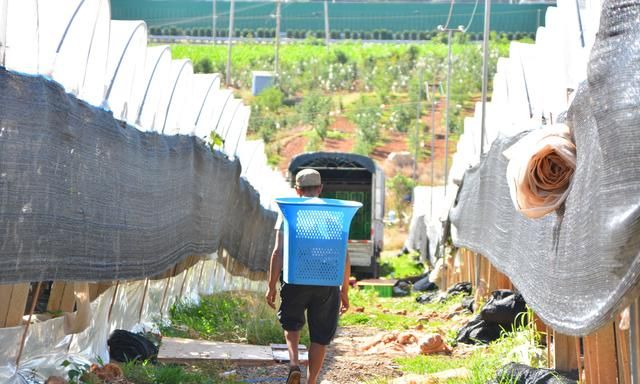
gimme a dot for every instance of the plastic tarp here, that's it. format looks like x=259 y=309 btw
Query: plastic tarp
x=578 y=267
x=425 y=228
x=177 y=116
x=47 y=346
x=126 y=68
x=84 y=197
x=156 y=88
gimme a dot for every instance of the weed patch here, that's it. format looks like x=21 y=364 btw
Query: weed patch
x=228 y=316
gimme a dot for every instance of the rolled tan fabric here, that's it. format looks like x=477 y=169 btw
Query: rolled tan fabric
x=78 y=321
x=433 y=344
x=541 y=165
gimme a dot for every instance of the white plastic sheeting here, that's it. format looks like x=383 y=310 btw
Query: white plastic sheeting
x=177 y=119
x=425 y=229
x=156 y=85
x=534 y=83
x=256 y=170
x=125 y=68
x=47 y=346
x=107 y=63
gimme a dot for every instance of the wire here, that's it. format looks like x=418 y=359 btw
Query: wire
x=473 y=14
x=446 y=26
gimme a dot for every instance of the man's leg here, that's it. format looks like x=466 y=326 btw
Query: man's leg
x=316 y=358
x=293 y=339
x=323 y=322
x=291 y=316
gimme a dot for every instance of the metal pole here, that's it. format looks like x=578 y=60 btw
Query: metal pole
x=485 y=71
x=433 y=141
x=213 y=22
x=276 y=67
x=4 y=5
x=231 y=12
x=446 y=126
x=485 y=80
x=417 y=143
x=326 y=23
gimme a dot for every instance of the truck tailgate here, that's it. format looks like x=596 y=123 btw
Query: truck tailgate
x=360 y=253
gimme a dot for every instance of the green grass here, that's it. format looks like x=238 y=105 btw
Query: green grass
x=402 y=266
x=228 y=316
x=374 y=316
x=147 y=373
x=336 y=135
x=484 y=361
x=424 y=364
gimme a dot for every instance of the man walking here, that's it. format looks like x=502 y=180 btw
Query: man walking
x=323 y=304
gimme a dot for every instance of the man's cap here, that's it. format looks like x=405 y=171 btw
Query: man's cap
x=308 y=178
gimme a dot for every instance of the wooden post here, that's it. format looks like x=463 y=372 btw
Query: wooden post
x=13 y=300
x=113 y=299
x=601 y=362
x=564 y=352
x=62 y=297
x=622 y=343
x=580 y=364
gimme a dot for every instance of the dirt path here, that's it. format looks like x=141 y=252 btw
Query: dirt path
x=344 y=363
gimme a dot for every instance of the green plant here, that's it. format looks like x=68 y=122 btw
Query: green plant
x=401 y=187
x=270 y=99
x=366 y=116
x=402 y=266
x=314 y=110
x=402 y=117
x=147 y=373
x=76 y=371
x=229 y=316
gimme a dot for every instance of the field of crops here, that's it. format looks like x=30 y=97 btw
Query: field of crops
x=350 y=79
x=349 y=67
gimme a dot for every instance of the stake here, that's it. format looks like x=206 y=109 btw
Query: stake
x=326 y=23
x=485 y=71
x=4 y=5
x=144 y=295
x=34 y=301
x=276 y=67
x=213 y=23
x=633 y=341
x=417 y=143
x=229 y=42
x=446 y=126
x=113 y=299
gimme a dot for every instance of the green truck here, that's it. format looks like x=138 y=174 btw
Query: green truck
x=347 y=176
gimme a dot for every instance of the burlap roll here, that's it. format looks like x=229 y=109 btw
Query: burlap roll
x=541 y=166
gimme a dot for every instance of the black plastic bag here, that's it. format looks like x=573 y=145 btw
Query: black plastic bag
x=427 y=297
x=468 y=303
x=424 y=285
x=522 y=374
x=478 y=331
x=127 y=346
x=463 y=287
x=503 y=307
x=401 y=288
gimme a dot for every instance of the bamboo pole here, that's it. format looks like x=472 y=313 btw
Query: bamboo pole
x=34 y=301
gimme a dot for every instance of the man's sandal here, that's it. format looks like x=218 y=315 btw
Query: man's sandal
x=294 y=375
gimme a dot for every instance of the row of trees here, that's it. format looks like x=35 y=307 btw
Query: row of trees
x=378 y=34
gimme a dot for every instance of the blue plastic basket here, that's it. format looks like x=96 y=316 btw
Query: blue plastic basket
x=316 y=232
